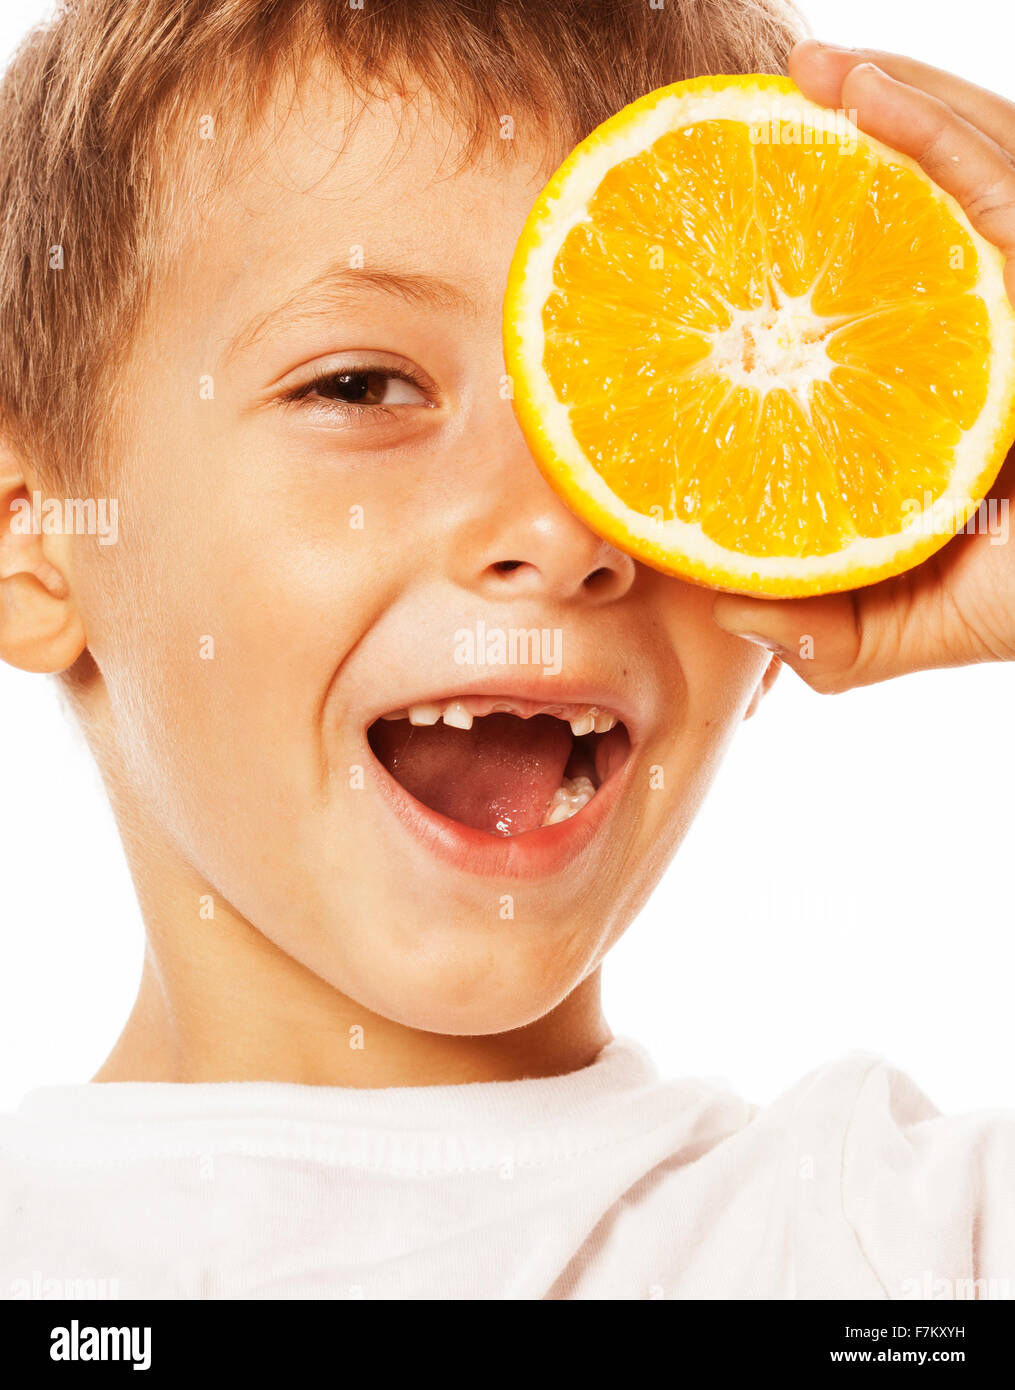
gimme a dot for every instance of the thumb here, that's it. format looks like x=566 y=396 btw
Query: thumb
x=818 y=637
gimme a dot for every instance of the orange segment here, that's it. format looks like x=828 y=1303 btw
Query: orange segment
x=756 y=348
x=903 y=245
x=679 y=199
x=786 y=489
x=939 y=350
x=805 y=196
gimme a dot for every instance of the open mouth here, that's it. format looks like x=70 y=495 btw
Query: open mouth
x=502 y=766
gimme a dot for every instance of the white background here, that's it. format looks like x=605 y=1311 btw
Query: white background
x=848 y=884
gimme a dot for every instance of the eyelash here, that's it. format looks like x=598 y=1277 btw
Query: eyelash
x=304 y=392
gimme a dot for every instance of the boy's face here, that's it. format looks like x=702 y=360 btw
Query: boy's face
x=291 y=570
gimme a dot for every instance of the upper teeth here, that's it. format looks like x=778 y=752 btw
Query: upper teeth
x=455 y=714
x=458 y=715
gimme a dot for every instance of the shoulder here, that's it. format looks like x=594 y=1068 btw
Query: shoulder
x=928 y=1197
x=872 y=1192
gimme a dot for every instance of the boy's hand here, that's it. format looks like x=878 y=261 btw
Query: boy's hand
x=959 y=606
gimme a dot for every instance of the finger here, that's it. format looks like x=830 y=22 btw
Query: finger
x=818 y=637
x=819 y=70
x=840 y=641
x=960 y=159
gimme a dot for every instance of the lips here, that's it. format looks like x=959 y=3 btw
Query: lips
x=498 y=765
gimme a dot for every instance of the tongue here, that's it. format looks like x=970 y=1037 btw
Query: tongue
x=497 y=776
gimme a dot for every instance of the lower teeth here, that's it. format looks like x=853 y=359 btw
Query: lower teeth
x=568 y=799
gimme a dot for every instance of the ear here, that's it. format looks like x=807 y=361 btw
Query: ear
x=764 y=685
x=40 y=626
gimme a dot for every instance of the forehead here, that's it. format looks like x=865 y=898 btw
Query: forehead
x=389 y=184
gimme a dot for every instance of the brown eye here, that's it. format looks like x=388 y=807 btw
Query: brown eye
x=354 y=388
x=366 y=388
x=355 y=391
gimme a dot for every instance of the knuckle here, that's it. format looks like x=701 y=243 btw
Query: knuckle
x=827 y=682
x=934 y=152
x=994 y=196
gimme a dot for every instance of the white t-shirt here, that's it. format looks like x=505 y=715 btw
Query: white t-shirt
x=607 y=1183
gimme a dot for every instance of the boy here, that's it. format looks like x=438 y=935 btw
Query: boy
x=379 y=876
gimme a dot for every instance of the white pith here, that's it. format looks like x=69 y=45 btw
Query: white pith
x=785 y=350
x=774 y=346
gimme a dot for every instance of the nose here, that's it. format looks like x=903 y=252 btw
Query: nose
x=531 y=545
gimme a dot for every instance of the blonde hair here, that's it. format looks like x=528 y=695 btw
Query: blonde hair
x=98 y=115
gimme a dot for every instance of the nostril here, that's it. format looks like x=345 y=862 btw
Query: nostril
x=596 y=578
x=506 y=566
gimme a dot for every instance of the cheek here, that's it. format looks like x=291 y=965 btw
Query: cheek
x=718 y=676
x=723 y=675
x=218 y=625
x=720 y=672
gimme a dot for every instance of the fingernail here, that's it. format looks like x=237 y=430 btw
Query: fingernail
x=760 y=641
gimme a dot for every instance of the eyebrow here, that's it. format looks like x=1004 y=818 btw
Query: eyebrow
x=336 y=286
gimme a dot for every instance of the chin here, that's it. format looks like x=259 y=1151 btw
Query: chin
x=460 y=982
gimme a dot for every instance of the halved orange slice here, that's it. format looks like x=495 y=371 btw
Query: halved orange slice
x=752 y=346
